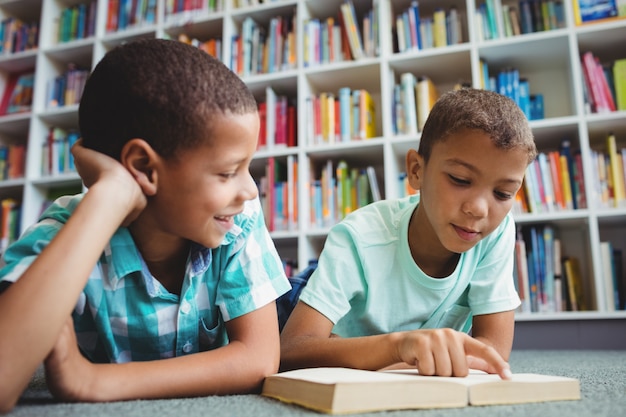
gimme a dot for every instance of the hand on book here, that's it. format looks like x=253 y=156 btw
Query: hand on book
x=447 y=352
x=96 y=167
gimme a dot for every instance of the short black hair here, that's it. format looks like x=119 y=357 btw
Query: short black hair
x=163 y=91
x=469 y=108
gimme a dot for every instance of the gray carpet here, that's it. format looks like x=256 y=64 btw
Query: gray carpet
x=602 y=375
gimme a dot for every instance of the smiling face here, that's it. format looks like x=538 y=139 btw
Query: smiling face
x=200 y=190
x=467 y=187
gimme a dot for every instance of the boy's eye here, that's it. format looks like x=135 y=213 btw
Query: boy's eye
x=227 y=175
x=502 y=195
x=458 y=180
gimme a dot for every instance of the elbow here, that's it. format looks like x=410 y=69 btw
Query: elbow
x=259 y=372
x=7 y=402
x=270 y=366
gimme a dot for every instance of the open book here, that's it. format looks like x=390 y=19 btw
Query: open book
x=344 y=390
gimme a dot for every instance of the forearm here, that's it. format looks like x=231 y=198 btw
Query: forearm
x=34 y=309
x=232 y=369
x=368 y=352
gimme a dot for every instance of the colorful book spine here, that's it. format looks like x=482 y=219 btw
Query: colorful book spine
x=616 y=172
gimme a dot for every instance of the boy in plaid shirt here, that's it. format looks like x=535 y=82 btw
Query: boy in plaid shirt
x=161 y=280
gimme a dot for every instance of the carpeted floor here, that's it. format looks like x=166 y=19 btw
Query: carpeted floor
x=602 y=375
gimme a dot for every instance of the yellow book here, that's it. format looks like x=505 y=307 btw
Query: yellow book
x=344 y=390
x=426 y=95
x=576 y=10
x=574 y=278
x=619 y=79
x=324 y=116
x=440 y=37
x=616 y=172
x=565 y=180
x=367 y=115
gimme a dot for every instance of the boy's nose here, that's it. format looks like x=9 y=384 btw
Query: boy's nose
x=249 y=189
x=476 y=207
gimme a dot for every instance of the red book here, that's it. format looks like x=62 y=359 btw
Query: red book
x=291 y=126
x=557 y=187
x=262 y=125
x=604 y=86
x=8 y=92
x=281 y=121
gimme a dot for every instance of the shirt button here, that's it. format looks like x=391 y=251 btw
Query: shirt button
x=187 y=347
x=185 y=307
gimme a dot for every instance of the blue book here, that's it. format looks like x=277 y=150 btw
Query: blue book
x=524 y=97
x=526 y=17
x=536 y=107
x=548 y=238
x=345 y=104
x=591 y=10
x=414 y=9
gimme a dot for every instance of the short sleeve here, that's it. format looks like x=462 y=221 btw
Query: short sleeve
x=251 y=272
x=492 y=288
x=338 y=277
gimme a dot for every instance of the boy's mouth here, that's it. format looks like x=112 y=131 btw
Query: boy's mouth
x=466 y=234
x=226 y=221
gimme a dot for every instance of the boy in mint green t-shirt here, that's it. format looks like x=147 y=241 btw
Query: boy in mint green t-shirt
x=401 y=282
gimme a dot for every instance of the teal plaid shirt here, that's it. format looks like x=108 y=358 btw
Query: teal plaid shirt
x=124 y=314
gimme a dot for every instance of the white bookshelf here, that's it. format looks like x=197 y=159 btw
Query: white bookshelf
x=550 y=60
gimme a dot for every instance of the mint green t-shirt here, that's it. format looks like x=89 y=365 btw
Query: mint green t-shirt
x=367 y=282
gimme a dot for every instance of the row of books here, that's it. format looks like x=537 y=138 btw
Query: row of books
x=10 y=212
x=67 y=88
x=278 y=121
x=263 y=50
x=339 y=190
x=12 y=161
x=415 y=31
x=604 y=84
x=278 y=192
x=17 y=35
x=509 y=83
x=77 y=22
x=56 y=157
x=412 y=100
x=210 y=46
x=362 y=39
x=614 y=276
x=553 y=182
x=125 y=14
x=18 y=93
x=609 y=175
x=173 y=7
x=247 y=3
x=545 y=278
x=342 y=117
x=590 y=11
x=340 y=38
x=530 y=16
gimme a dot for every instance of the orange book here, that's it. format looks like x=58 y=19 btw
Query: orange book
x=557 y=186
x=566 y=183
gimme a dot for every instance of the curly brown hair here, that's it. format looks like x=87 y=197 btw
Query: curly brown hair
x=469 y=108
x=162 y=91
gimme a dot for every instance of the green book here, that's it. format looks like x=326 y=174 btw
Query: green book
x=619 y=80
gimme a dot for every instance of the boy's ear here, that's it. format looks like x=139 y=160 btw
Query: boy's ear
x=414 y=168
x=140 y=160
